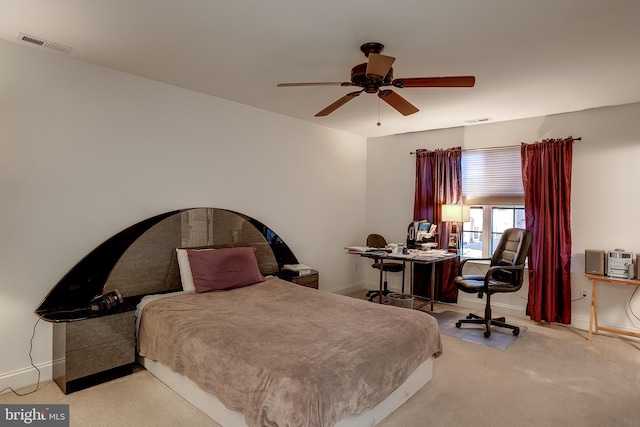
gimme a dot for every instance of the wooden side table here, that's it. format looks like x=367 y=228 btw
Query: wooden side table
x=593 y=315
x=310 y=280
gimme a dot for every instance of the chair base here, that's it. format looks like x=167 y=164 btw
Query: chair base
x=371 y=295
x=497 y=321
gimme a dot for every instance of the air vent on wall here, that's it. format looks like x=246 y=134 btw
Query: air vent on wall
x=482 y=120
x=45 y=44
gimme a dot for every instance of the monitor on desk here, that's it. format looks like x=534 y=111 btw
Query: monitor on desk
x=417 y=232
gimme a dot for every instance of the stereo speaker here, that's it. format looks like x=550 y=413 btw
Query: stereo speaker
x=594 y=262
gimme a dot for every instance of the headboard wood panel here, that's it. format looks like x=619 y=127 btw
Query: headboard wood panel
x=142 y=260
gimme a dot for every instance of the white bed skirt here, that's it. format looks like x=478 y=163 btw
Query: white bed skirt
x=211 y=405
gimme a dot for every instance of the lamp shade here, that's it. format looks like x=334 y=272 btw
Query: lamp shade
x=456 y=213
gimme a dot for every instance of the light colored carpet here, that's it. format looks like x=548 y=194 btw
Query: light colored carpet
x=550 y=377
x=135 y=400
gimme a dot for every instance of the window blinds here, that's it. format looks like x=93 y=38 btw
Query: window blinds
x=492 y=176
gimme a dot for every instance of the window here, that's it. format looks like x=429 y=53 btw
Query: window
x=492 y=185
x=483 y=231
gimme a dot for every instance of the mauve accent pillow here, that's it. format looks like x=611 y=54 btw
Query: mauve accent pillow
x=185 y=269
x=222 y=269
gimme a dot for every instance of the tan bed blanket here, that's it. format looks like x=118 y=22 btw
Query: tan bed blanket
x=287 y=355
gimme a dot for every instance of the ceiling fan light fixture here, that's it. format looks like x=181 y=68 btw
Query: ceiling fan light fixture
x=376 y=73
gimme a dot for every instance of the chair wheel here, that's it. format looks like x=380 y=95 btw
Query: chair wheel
x=458 y=324
x=516 y=331
x=487 y=334
x=469 y=316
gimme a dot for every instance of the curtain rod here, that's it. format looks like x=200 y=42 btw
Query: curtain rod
x=579 y=138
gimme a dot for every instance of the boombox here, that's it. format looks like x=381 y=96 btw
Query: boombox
x=620 y=264
x=615 y=263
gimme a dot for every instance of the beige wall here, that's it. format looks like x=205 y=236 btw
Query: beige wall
x=86 y=151
x=606 y=172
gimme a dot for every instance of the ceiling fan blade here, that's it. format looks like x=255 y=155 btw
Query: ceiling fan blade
x=403 y=106
x=457 y=81
x=314 y=84
x=339 y=103
x=379 y=65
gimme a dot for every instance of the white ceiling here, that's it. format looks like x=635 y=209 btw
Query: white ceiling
x=530 y=57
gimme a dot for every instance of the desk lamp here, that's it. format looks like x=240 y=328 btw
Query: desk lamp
x=455 y=214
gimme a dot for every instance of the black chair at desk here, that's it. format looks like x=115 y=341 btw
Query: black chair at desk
x=505 y=274
x=377 y=241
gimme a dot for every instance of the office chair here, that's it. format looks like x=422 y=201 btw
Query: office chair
x=505 y=274
x=377 y=241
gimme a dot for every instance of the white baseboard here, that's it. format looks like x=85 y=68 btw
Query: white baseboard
x=477 y=305
x=347 y=289
x=577 y=322
x=26 y=377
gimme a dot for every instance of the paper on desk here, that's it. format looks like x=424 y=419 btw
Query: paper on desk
x=433 y=254
x=438 y=252
x=408 y=256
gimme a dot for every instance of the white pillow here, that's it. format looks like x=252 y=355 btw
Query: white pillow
x=185 y=269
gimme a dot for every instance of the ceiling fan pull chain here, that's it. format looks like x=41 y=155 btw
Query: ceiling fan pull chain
x=379 y=112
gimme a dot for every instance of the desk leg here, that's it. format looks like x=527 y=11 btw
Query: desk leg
x=404 y=266
x=381 y=279
x=593 y=314
x=433 y=283
x=411 y=279
x=591 y=311
x=594 y=308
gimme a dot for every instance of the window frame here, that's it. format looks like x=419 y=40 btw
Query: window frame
x=487 y=231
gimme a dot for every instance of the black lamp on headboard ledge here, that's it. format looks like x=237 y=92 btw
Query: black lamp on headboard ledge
x=141 y=259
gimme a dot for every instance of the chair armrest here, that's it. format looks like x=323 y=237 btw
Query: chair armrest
x=493 y=269
x=464 y=261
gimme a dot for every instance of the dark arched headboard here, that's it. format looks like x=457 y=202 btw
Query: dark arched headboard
x=141 y=259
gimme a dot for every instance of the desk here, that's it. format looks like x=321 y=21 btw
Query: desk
x=414 y=257
x=593 y=316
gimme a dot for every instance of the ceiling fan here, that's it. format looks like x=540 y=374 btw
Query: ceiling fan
x=377 y=73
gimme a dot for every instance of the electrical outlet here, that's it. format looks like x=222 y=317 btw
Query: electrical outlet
x=584 y=292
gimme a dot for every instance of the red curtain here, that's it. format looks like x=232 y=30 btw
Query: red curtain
x=546 y=177
x=438 y=181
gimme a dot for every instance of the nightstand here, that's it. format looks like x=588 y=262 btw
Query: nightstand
x=98 y=348
x=310 y=280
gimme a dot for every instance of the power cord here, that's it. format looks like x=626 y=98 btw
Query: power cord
x=631 y=308
x=32 y=364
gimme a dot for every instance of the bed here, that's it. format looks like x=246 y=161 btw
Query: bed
x=250 y=349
